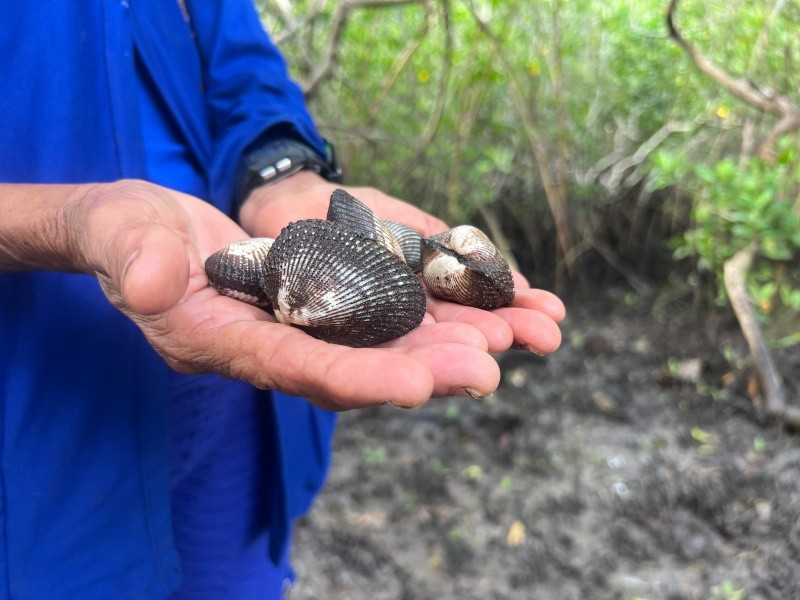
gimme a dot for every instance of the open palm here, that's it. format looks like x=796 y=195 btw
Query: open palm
x=530 y=322
x=150 y=245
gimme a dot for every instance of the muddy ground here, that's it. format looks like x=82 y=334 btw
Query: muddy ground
x=630 y=464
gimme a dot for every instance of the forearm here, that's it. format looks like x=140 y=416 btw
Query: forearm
x=38 y=227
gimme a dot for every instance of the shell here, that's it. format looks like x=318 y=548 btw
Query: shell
x=410 y=243
x=237 y=269
x=349 y=212
x=464 y=266
x=341 y=287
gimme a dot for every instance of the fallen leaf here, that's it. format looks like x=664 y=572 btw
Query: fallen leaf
x=604 y=402
x=687 y=371
x=516 y=534
x=472 y=472
x=706 y=438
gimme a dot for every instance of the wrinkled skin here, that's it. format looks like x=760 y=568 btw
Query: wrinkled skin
x=148 y=245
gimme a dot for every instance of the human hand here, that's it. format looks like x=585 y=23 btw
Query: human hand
x=529 y=323
x=148 y=245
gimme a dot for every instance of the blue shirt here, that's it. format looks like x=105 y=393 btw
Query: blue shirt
x=109 y=463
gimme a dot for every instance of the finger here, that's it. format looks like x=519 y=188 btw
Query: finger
x=325 y=403
x=150 y=268
x=280 y=357
x=533 y=330
x=495 y=329
x=437 y=359
x=281 y=214
x=392 y=209
x=363 y=377
x=459 y=370
x=441 y=333
x=520 y=281
x=542 y=301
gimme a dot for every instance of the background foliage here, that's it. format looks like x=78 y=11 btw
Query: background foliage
x=578 y=133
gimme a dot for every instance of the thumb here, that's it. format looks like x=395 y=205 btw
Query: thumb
x=152 y=273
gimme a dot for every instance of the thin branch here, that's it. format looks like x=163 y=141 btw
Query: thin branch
x=619 y=161
x=742 y=88
x=500 y=239
x=734 y=274
x=614 y=179
x=642 y=287
x=342 y=15
x=397 y=67
x=435 y=118
x=763 y=38
x=292 y=25
x=765 y=99
x=556 y=195
x=286 y=13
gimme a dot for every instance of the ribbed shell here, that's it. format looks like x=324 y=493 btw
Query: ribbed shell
x=340 y=287
x=462 y=265
x=410 y=243
x=349 y=212
x=237 y=269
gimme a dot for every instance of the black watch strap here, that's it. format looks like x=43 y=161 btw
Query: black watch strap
x=280 y=158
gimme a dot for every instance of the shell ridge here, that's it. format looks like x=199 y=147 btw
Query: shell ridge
x=350 y=279
x=338 y=286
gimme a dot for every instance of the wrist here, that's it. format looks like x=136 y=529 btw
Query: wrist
x=42 y=226
x=253 y=214
x=271 y=161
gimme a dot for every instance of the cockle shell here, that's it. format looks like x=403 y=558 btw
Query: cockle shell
x=238 y=268
x=410 y=243
x=349 y=212
x=345 y=281
x=464 y=266
x=341 y=287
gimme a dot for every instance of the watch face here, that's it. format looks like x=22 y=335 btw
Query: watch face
x=281 y=158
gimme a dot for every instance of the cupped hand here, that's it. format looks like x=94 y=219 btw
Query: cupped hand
x=530 y=323
x=147 y=245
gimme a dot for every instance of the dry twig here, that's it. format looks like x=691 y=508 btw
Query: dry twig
x=343 y=12
x=555 y=194
x=775 y=403
x=762 y=98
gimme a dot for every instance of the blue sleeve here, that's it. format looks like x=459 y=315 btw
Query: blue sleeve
x=249 y=95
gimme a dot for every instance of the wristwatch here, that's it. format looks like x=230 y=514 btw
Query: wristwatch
x=280 y=158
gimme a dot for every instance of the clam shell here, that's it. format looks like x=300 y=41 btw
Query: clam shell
x=462 y=265
x=237 y=269
x=341 y=287
x=410 y=243
x=349 y=212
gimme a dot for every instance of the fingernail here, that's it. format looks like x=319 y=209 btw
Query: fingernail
x=528 y=348
x=392 y=404
x=475 y=395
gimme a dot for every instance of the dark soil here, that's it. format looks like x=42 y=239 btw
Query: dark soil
x=631 y=463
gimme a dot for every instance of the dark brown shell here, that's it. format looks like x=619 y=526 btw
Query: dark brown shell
x=462 y=265
x=410 y=243
x=341 y=287
x=237 y=269
x=349 y=212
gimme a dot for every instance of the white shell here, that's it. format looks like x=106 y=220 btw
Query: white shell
x=463 y=265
